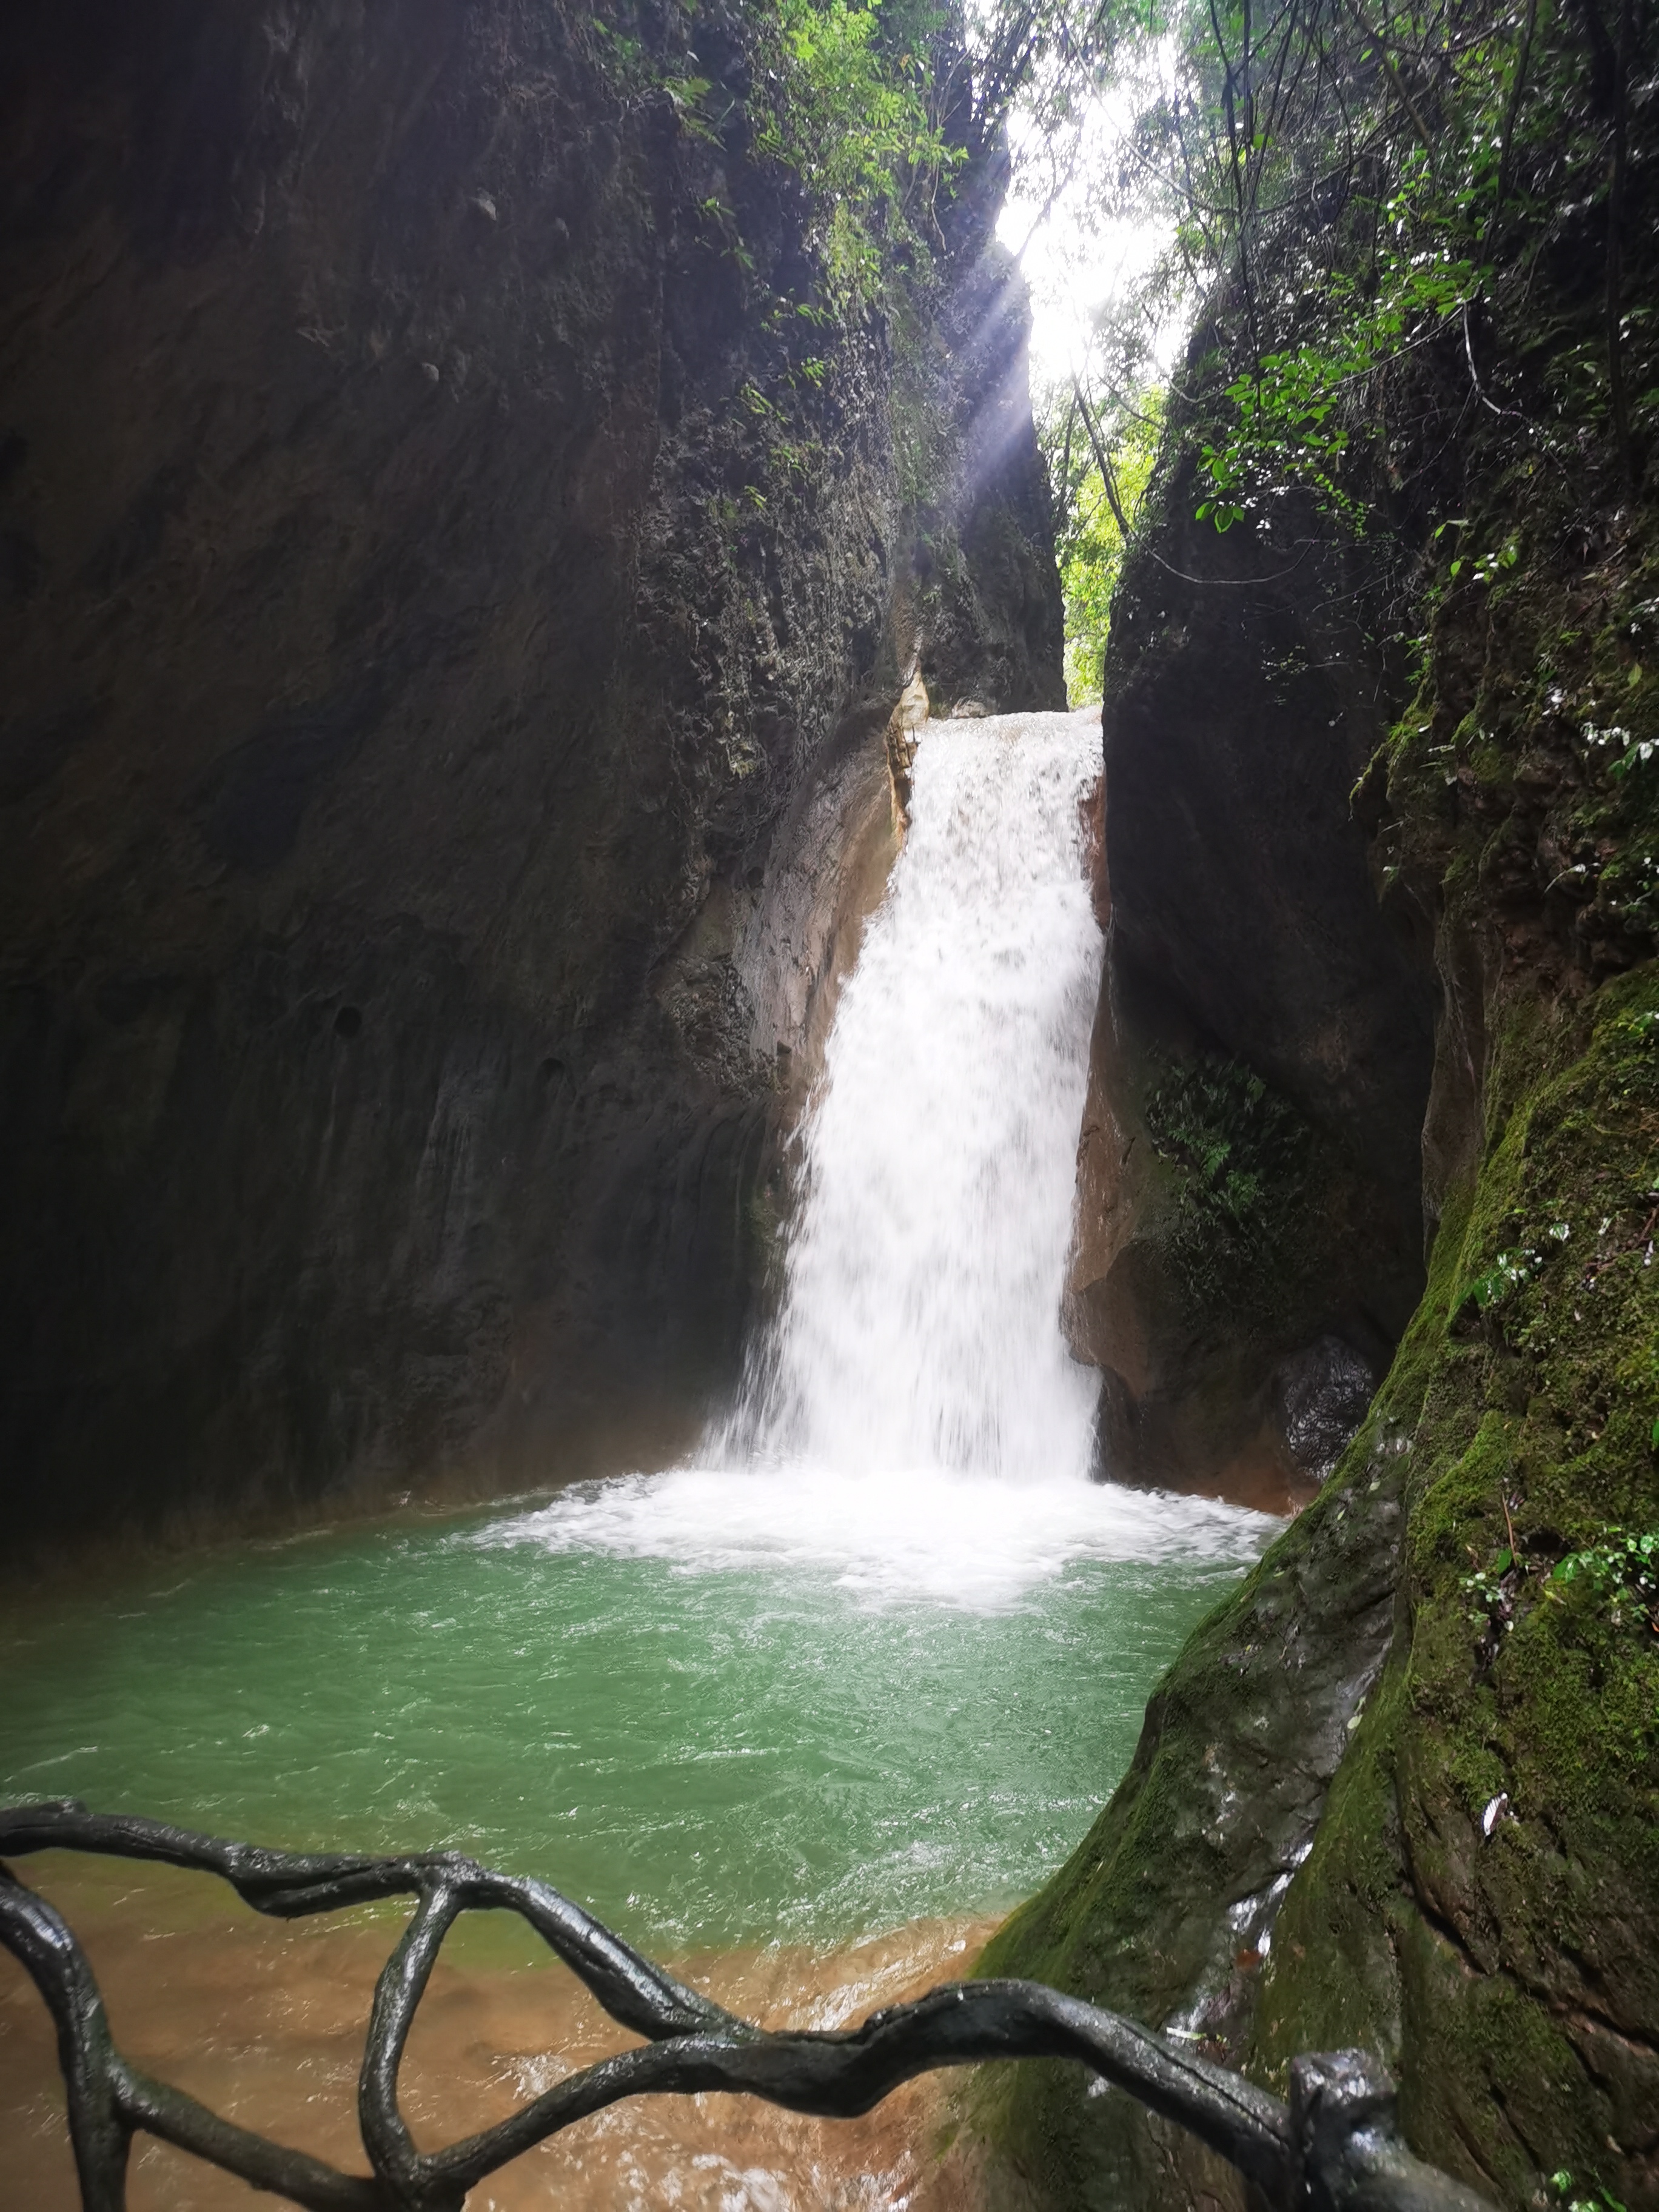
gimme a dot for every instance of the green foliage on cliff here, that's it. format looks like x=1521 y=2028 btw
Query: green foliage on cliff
x=1237 y=1154
x=879 y=107
x=1480 y=1897
x=849 y=96
x=1355 y=187
x=1524 y=771
x=1622 y=1569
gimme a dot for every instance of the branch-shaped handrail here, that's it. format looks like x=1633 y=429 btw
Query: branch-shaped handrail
x=1335 y=2147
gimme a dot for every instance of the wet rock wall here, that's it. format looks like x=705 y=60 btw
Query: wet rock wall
x=1249 y=1218
x=438 y=596
x=1399 y=1792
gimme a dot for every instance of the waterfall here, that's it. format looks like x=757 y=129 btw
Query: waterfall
x=920 y=1323
x=909 y=1418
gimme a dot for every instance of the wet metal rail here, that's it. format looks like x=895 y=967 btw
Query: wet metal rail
x=1335 y=2147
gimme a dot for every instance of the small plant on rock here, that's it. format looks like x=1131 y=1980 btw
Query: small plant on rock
x=1623 y=1571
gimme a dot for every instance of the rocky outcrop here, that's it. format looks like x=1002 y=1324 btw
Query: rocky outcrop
x=451 y=595
x=1400 y=1792
x=1169 y=1910
x=904 y=735
x=1249 y=1213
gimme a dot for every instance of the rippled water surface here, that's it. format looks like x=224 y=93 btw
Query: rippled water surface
x=805 y=1717
x=713 y=1716
x=885 y=1655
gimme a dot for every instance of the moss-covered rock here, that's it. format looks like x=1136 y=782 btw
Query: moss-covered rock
x=1482 y=1901
x=1423 y=1818
x=1167 y=1909
x=1471 y=1886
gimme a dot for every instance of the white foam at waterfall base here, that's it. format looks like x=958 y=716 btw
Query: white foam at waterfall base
x=910 y=1421
x=975 y=1541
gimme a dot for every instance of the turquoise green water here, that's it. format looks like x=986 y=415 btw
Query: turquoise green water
x=704 y=1754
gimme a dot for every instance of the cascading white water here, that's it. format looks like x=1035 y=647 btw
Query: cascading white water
x=919 y=1324
x=910 y=1419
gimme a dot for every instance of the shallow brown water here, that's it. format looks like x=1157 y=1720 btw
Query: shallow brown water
x=263 y=2021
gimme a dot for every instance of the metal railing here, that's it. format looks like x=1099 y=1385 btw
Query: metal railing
x=1335 y=2147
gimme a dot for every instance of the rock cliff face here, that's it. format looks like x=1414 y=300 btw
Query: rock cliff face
x=1249 y=1213
x=450 y=600
x=1402 y=1790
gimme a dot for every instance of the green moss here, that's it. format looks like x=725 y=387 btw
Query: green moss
x=1480 y=1903
x=1255 y=1205
x=1261 y=1692
x=1499 y=1819
x=1332 y=1995
x=1526 y=767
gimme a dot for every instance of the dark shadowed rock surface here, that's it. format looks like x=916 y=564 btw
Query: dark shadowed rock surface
x=1400 y=1793
x=448 y=637
x=1249 y=1178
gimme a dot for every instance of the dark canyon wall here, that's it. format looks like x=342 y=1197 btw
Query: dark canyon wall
x=454 y=571
x=1250 y=1244
x=1401 y=1791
